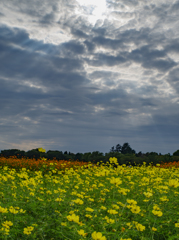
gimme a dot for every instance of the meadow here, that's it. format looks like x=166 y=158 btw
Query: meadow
x=75 y=201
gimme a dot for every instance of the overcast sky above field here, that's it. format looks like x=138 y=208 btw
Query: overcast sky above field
x=81 y=77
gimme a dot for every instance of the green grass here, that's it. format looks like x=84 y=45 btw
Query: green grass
x=95 y=203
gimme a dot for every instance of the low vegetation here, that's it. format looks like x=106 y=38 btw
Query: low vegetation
x=53 y=200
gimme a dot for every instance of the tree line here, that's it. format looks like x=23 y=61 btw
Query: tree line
x=125 y=155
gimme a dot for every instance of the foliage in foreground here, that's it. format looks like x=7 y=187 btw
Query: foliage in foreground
x=95 y=203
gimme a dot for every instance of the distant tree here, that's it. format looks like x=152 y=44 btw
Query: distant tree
x=71 y=156
x=55 y=154
x=112 y=149
x=20 y=154
x=95 y=156
x=34 y=153
x=127 y=149
x=118 y=148
x=176 y=153
x=78 y=156
x=139 y=154
x=9 y=152
x=151 y=154
x=86 y=156
x=123 y=149
x=65 y=152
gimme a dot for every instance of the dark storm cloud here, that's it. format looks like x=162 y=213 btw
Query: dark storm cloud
x=49 y=17
x=107 y=42
x=96 y=86
x=173 y=46
x=12 y=38
x=74 y=47
x=17 y=49
x=173 y=79
x=79 y=33
x=151 y=58
x=108 y=60
x=90 y=46
x=175 y=6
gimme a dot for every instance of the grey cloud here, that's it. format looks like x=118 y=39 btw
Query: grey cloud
x=48 y=18
x=175 y=6
x=1 y=14
x=161 y=65
x=107 y=42
x=36 y=65
x=10 y=37
x=103 y=74
x=65 y=64
x=146 y=53
x=150 y=58
x=173 y=46
x=49 y=94
x=73 y=46
x=149 y=7
x=122 y=4
x=162 y=11
x=106 y=60
x=34 y=8
x=173 y=79
x=90 y=46
x=99 y=31
x=79 y=33
x=135 y=36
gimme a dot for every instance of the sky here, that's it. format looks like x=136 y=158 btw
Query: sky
x=84 y=76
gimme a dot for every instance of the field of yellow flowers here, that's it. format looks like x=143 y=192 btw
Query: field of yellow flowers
x=38 y=200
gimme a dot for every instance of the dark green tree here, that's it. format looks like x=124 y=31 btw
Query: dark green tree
x=126 y=149
x=58 y=155
x=118 y=148
x=78 y=156
x=9 y=152
x=176 y=153
x=112 y=149
x=86 y=156
x=96 y=156
x=20 y=154
x=151 y=154
x=34 y=153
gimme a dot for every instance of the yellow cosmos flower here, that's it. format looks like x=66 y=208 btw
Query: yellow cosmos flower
x=157 y=213
x=173 y=183
x=112 y=211
x=131 y=201
x=7 y=224
x=41 y=150
x=140 y=227
x=73 y=218
x=135 y=209
x=148 y=194
x=89 y=209
x=177 y=225
x=115 y=180
x=82 y=233
x=98 y=236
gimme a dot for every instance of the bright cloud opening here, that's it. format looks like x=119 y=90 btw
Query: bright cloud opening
x=93 y=9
